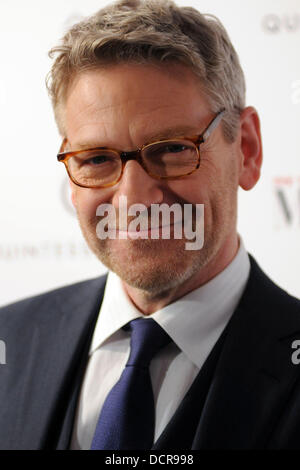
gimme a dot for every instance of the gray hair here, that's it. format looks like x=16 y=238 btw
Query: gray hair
x=152 y=31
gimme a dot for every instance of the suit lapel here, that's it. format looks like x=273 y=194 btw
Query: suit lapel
x=254 y=374
x=82 y=332
x=51 y=362
x=64 y=436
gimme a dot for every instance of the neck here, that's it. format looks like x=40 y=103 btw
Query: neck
x=149 y=304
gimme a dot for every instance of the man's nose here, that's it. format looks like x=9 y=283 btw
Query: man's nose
x=137 y=186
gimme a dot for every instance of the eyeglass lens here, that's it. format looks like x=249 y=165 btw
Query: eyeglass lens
x=163 y=159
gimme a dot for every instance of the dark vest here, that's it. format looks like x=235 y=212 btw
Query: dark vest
x=181 y=433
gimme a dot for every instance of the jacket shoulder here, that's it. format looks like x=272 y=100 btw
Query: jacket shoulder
x=263 y=293
x=64 y=295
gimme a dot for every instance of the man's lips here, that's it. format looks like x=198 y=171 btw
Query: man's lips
x=147 y=230
x=121 y=229
x=137 y=233
x=146 y=233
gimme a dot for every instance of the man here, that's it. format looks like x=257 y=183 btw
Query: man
x=149 y=99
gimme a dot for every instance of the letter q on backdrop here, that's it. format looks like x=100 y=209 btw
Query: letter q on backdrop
x=41 y=246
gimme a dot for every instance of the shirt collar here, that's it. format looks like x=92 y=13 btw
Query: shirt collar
x=194 y=322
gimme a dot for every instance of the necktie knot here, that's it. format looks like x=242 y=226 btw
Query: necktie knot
x=147 y=338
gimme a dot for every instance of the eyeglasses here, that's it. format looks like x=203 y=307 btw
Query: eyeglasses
x=102 y=167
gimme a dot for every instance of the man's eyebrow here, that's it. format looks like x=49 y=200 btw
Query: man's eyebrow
x=165 y=134
x=170 y=132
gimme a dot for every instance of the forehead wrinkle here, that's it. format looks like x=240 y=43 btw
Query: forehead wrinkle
x=91 y=114
x=167 y=133
x=93 y=110
x=172 y=132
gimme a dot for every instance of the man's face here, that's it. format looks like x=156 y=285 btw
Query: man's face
x=123 y=107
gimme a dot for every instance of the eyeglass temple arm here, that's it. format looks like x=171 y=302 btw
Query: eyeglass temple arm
x=215 y=122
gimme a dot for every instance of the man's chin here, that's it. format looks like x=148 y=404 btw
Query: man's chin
x=150 y=280
x=153 y=266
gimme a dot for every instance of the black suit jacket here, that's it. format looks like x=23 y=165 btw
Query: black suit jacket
x=253 y=399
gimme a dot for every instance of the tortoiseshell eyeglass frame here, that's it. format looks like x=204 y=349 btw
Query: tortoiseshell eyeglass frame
x=136 y=154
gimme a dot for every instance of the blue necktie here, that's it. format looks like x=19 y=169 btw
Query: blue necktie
x=126 y=421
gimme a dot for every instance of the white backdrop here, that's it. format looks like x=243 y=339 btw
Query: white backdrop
x=41 y=246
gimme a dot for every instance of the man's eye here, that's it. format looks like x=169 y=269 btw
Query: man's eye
x=97 y=160
x=175 y=148
x=162 y=150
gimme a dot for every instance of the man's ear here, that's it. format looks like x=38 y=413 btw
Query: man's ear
x=250 y=147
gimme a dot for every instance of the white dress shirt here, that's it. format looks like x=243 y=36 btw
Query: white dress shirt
x=194 y=322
